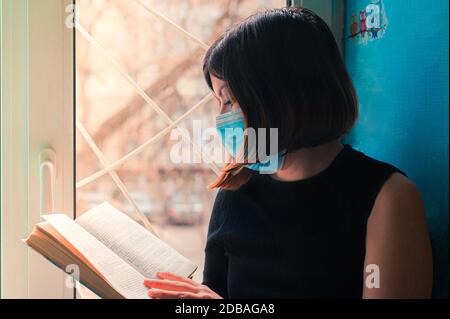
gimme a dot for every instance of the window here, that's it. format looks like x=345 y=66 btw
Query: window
x=137 y=65
x=131 y=88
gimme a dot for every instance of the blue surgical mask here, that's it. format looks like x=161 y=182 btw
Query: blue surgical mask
x=230 y=127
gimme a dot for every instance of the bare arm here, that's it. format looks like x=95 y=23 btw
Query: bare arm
x=398 y=243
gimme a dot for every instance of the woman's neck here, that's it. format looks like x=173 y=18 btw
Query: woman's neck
x=308 y=162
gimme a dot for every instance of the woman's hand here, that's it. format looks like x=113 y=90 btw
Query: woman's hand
x=170 y=286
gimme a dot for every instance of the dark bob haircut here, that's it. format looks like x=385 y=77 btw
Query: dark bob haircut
x=285 y=70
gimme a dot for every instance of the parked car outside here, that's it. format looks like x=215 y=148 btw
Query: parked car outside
x=185 y=210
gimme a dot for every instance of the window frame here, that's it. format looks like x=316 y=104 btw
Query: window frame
x=37 y=112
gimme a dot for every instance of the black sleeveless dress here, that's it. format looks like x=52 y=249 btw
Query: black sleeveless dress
x=301 y=239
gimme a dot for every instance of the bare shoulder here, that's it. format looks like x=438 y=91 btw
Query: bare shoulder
x=399 y=186
x=398 y=242
x=399 y=200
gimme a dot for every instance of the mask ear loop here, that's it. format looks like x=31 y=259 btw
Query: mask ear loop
x=244 y=153
x=283 y=158
x=241 y=155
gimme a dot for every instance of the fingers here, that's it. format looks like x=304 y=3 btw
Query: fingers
x=169 y=294
x=170 y=276
x=165 y=284
x=171 y=286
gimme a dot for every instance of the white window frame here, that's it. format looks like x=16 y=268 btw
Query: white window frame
x=37 y=112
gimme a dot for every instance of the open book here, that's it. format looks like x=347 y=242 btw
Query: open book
x=114 y=254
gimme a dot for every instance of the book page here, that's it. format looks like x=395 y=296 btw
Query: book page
x=120 y=275
x=133 y=243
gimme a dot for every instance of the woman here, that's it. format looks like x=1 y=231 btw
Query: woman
x=330 y=222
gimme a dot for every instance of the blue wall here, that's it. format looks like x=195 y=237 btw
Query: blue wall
x=402 y=83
